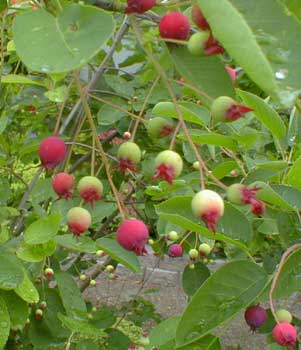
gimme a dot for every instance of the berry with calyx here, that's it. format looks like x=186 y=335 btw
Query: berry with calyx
x=48 y=273
x=133 y=235
x=175 y=250
x=139 y=6
x=100 y=253
x=62 y=184
x=174 y=25
x=193 y=253
x=159 y=127
x=203 y=43
x=255 y=316
x=127 y=135
x=82 y=277
x=168 y=165
x=52 y=152
x=90 y=189
x=204 y=249
x=43 y=305
x=284 y=316
x=173 y=235
x=198 y=18
x=110 y=268
x=129 y=155
x=285 y=334
x=209 y=207
x=39 y=314
x=79 y=220
x=92 y=283
x=225 y=109
x=196 y=165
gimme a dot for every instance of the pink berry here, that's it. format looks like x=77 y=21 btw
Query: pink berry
x=285 y=334
x=175 y=250
x=90 y=189
x=198 y=18
x=133 y=235
x=208 y=206
x=168 y=165
x=174 y=25
x=52 y=151
x=255 y=316
x=79 y=220
x=62 y=184
x=139 y=6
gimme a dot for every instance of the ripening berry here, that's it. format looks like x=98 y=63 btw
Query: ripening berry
x=62 y=184
x=225 y=109
x=52 y=152
x=204 y=44
x=193 y=253
x=284 y=316
x=48 y=273
x=168 y=165
x=159 y=127
x=285 y=334
x=139 y=6
x=174 y=25
x=110 y=268
x=133 y=235
x=90 y=189
x=100 y=253
x=204 y=249
x=129 y=155
x=127 y=135
x=43 y=305
x=209 y=207
x=79 y=220
x=255 y=316
x=175 y=250
x=39 y=313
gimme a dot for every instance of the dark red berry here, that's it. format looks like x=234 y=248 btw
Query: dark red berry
x=174 y=25
x=255 y=316
x=139 y=6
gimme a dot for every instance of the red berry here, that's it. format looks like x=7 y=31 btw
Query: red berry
x=285 y=334
x=79 y=220
x=129 y=155
x=132 y=235
x=62 y=184
x=255 y=316
x=198 y=18
x=139 y=6
x=175 y=250
x=169 y=165
x=90 y=189
x=174 y=25
x=208 y=206
x=52 y=151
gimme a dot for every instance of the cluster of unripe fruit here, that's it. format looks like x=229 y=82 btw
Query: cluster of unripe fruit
x=284 y=333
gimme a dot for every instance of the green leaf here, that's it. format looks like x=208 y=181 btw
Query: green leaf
x=81 y=244
x=293 y=177
x=42 y=230
x=3 y=5
x=229 y=290
x=119 y=254
x=207 y=74
x=71 y=296
x=19 y=79
x=18 y=309
x=192 y=279
x=27 y=291
x=211 y=138
x=168 y=109
x=4 y=322
x=36 y=252
x=224 y=168
x=225 y=20
x=11 y=271
x=108 y=115
x=264 y=113
x=291 y=195
x=117 y=340
x=293 y=6
x=50 y=44
x=164 y=332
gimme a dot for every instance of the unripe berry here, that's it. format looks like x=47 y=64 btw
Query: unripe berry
x=127 y=135
x=193 y=253
x=151 y=241
x=173 y=236
x=198 y=18
x=62 y=184
x=110 y=268
x=192 y=266
x=92 y=283
x=39 y=313
x=208 y=206
x=284 y=316
x=255 y=316
x=100 y=253
x=225 y=109
x=43 y=305
x=159 y=127
x=285 y=334
x=48 y=273
x=196 y=165
x=52 y=151
x=139 y=6
x=112 y=276
x=168 y=165
x=175 y=250
x=197 y=42
x=79 y=220
x=204 y=249
x=235 y=193
x=90 y=189
x=82 y=277
x=129 y=155
x=174 y=25
x=132 y=235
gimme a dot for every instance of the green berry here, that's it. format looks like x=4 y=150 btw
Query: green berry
x=92 y=283
x=219 y=108
x=173 y=236
x=159 y=127
x=82 y=277
x=196 y=165
x=234 y=193
x=192 y=266
x=99 y=253
x=284 y=316
x=171 y=159
x=129 y=151
x=110 y=268
x=196 y=43
x=204 y=249
x=151 y=241
x=193 y=253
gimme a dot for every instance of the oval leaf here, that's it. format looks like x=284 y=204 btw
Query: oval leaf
x=11 y=271
x=4 y=322
x=192 y=279
x=27 y=291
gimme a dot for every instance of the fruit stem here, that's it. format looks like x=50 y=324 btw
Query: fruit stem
x=185 y=237
x=98 y=143
x=93 y=155
x=174 y=136
x=200 y=92
x=284 y=257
